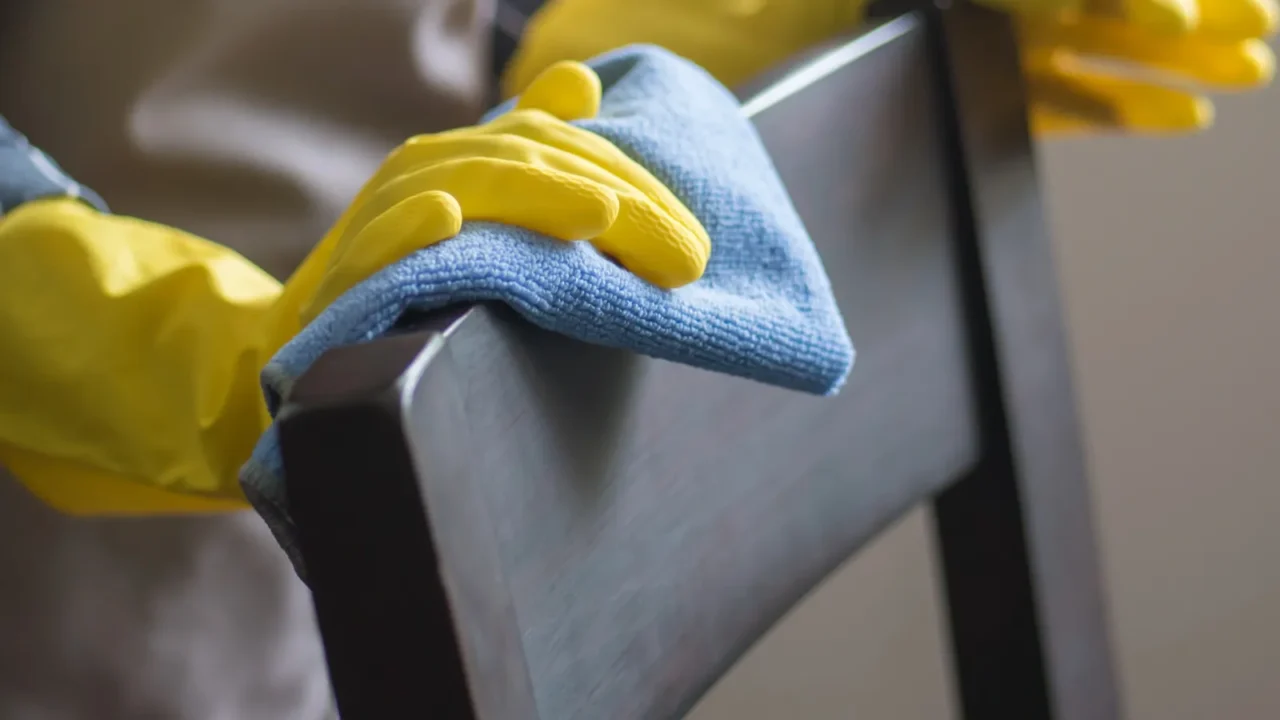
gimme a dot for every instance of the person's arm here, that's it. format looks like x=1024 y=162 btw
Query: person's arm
x=129 y=380
x=51 y=326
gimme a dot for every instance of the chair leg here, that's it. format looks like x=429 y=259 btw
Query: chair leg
x=1016 y=536
x=384 y=615
x=995 y=629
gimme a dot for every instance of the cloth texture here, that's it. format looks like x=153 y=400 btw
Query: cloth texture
x=764 y=309
x=27 y=174
x=251 y=123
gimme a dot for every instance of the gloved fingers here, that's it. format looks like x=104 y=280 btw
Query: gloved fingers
x=545 y=200
x=531 y=168
x=421 y=207
x=567 y=90
x=1227 y=20
x=626 y=224
x=554 y=32
x=1165 y=17
x=1052 y=8
x=1130 y=105
x=656 y=236
x=654 y=245
x=427 y=150
x=1238 y=64
x=414 y=223
x=1049 y=122
x=1222 y=20
x=534 y=136
x=1050 y=90
x=599 y=151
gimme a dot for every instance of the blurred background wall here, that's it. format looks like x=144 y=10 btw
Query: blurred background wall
x=1168 y=253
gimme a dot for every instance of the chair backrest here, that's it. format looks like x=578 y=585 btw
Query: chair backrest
x=503 y=523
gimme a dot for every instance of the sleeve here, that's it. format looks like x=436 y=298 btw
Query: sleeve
x=27 y=174
x=129 y=375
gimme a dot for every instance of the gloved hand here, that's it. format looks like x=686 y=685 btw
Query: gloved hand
x=129 y=381
x=733 y=40
x=528 y=167
x=1211 y=42
x=1142 y=71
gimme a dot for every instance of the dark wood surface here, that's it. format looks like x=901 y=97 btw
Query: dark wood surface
x=650 y=521
x=502 y=523
x=1016 y=537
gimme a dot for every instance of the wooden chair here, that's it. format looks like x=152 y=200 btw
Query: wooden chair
x=501 y=523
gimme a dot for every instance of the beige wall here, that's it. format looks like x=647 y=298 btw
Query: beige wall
x=1169 y=255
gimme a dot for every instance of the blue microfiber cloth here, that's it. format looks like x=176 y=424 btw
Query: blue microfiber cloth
x=764 y=309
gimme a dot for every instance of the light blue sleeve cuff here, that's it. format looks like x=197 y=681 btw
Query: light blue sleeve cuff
x=28 y=174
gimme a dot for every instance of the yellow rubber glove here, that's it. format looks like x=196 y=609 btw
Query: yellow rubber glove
x=129 y=381
x=1142 y=71
x=733 y=40
x=129 y=378
x=1141 y=42
x=530 y=168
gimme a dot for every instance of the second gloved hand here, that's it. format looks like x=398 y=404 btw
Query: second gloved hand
x=1144 y=66
x=734 y=40
x=1091 y=65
